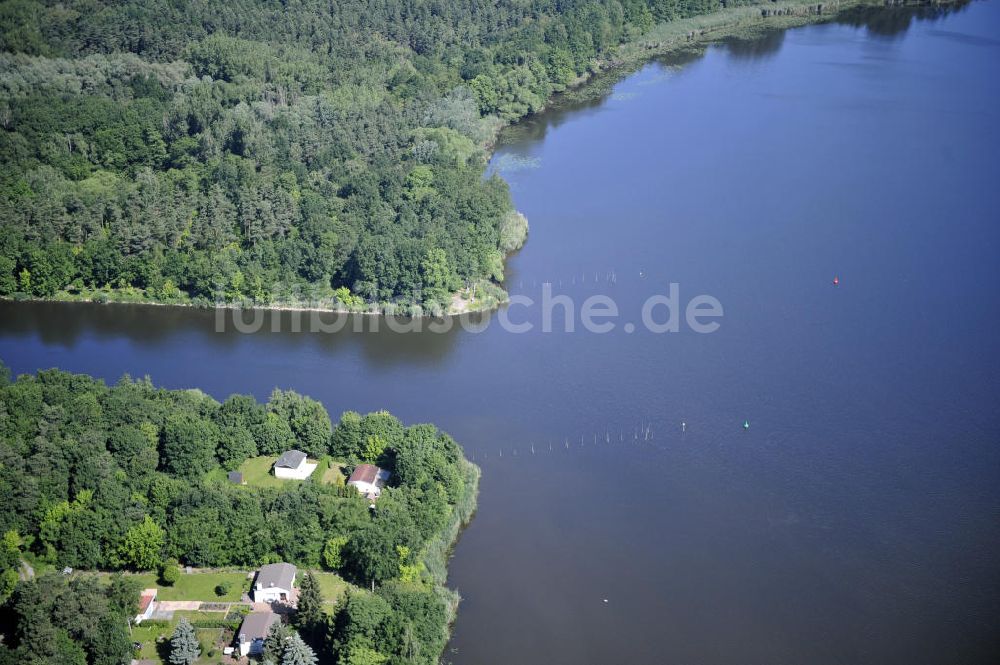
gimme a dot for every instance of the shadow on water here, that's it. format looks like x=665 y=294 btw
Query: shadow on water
x=756 y=45
x=561 y=108
x=590 y=97
x=68 y=325
x=761 y=47
x=893 y=22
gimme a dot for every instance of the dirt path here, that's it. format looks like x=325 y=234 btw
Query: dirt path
x=26 y=572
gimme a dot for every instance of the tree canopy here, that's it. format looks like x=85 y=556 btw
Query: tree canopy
x=260 y=150
x=75 y=620
x=131 y=476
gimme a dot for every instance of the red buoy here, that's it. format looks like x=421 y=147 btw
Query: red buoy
x=836 y=281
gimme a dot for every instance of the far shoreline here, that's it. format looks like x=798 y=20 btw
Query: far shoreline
x=669 y=38
x=375 y=309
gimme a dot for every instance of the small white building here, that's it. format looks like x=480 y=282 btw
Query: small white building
x=147 y=605
x=369 y=479
x=293 y=464
x=253 y=631
x=274 y=583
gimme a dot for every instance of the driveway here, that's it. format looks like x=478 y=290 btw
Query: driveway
x=174 y=605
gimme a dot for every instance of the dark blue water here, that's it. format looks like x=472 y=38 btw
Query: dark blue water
x=857 y=520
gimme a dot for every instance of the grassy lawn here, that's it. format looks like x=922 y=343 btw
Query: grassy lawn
x=332 y=472
x=201 y=586
x=257 y=472
x=332 y=586
x=160 y=651
x=148 y=635
x=198 y=586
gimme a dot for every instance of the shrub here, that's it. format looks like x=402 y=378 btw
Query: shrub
x=237 y=612
x=169 y=572
x=212 y=622
x=513 y=231
x=222 y=588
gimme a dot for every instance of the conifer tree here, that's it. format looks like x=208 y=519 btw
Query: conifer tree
x=274 y=643
x=298 y=652
x=309 y=615
x=184 y=647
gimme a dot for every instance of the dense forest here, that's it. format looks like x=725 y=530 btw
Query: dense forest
x=131 y=477
x=274 y=151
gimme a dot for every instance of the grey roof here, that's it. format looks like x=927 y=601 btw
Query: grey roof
x=235 y=477
x=278 y=575
x=291 y=459
x=255 y=626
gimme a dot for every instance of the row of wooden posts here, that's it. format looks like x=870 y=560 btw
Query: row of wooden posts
x=638 y=434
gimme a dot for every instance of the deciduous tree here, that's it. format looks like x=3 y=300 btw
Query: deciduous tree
x=142 y=546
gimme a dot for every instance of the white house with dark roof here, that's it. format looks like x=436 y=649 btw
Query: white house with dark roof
x=253 y=631
x=293 y=464
x=369 y=480
x=274 y=583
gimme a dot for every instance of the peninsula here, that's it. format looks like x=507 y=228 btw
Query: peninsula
x=112 y=490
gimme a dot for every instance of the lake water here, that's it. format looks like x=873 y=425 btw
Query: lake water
x=857 y=520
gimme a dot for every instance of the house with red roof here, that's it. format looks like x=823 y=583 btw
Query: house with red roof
x=369 y=480
x=147 y=605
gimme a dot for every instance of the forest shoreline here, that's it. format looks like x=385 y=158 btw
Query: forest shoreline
x=190 y=524
x=672 y=38
x=374 y=309
x=693 y=34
